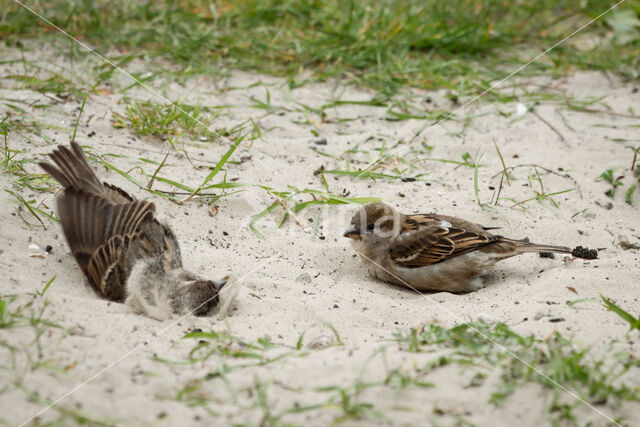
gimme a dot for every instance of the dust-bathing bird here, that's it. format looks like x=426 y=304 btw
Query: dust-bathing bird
x=430 y=252
x=125 y=252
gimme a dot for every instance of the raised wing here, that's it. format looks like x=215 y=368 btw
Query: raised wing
x=108 y=270
x=97 y=228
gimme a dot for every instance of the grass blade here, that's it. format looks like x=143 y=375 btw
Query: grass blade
x=217 y=168
x=75 y=128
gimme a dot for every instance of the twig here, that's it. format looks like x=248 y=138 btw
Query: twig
x=285 y=206
x=551 y=127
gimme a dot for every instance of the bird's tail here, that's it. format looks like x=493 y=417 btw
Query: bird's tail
x=522 y=246
x=73 y=170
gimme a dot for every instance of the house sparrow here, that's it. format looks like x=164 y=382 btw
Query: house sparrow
x=125 y=252
x=430 y=252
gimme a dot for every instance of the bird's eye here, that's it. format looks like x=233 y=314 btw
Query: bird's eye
x=370 y=227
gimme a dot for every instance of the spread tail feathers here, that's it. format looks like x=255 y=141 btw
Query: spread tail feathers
x=73 y=170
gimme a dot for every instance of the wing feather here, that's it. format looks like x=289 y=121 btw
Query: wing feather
x=432 y=244
x=91 y=225
x=106 y=228
x=107 y=272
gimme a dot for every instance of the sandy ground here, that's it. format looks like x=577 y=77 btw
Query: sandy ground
x=294 y=281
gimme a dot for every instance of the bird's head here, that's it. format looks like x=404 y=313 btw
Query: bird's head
x=373 y=222
x=196 y=295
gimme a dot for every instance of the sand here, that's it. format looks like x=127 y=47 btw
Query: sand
x=295 y=282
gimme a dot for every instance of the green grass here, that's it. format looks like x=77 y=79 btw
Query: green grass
x=148 y=118
x=635 y=172
x=54 y=84
x=180 y=188
x=232 y=354
x=30 y=340
x=619 y=179
x=373 y=158
x=634 y=322
x=477 y=351
x=614 y=182
x=556 y=361
x=30 y=345
x=67 y=415
x=385 y=45
x=288 y=203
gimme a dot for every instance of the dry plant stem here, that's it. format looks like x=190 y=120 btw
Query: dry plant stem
x=543 y=120
x=285 y=206
x=531 y=165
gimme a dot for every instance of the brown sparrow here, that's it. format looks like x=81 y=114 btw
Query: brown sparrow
x=126 y=254
x=430 y=252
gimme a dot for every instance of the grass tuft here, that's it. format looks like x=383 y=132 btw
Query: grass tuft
x=163 y=120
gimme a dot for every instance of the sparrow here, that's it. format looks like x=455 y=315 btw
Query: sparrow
x=430 y=252
x=125 y=252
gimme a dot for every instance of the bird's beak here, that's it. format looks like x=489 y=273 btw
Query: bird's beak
x=352 y=232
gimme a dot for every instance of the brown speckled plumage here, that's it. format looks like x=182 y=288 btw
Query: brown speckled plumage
x=126 y=254
x=429 y=251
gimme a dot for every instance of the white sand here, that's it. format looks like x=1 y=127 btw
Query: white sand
x=107 y=339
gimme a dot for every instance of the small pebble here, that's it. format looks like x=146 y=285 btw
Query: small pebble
x=303 y=278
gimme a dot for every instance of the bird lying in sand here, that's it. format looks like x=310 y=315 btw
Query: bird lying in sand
x=125 y=252
x=430 y=252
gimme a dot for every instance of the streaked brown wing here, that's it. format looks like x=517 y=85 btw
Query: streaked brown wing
x=116 y=194
x=108 y=270
x=418 y=221
x=111 y=264
x=89 y=221
x=433 y=244
x=172 y=256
